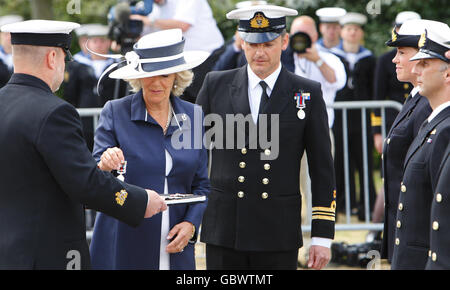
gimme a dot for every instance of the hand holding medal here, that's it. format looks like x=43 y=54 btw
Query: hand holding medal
x=113 y=159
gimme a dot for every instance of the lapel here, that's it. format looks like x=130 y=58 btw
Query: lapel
x=281 y=94
x=239 y=92
x=407 y=109
x=424 y=133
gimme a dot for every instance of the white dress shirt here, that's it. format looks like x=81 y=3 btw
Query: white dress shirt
x=164 y=257
x=255 y=90
x=308 y=69
x=254 y=96
x=436 y=111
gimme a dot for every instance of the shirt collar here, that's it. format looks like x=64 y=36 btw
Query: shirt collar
x=414 y=91
x=439 y=109
x=253 y=79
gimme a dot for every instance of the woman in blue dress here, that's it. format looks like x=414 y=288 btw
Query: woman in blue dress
x=160 y=138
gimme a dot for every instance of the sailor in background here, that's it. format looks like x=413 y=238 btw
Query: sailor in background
x=6 y=62
x=421 y=168
x=329 y=27
x=360 y=64
x=81 y=87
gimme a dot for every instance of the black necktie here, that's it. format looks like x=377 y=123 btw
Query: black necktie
x=264 y=97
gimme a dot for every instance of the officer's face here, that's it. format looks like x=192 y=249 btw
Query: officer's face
x=403 y=66
x=264 y=58
x=157 y=89
x=432 y=75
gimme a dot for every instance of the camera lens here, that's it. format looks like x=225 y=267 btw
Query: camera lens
x=299 y=42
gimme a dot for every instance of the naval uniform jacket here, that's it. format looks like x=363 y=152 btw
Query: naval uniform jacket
x=47 y=173
x=255 y=204
x=402 y=133
x=439 y=254
x=421 y=168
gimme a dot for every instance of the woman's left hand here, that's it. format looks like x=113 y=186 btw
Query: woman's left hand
x=182 y=233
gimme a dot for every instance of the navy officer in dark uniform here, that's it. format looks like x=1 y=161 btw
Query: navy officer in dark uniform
x=425 y=155
x=253 y=216
x=387 y=86
x=439 y=255
x=47 y=172
x=405 y=127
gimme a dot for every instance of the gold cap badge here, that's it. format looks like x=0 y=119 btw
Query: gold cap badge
x=394 y=35
x=423 y=39
x=259 y=21
x=121 y=197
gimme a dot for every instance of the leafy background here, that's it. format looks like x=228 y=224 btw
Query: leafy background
x=377 y=30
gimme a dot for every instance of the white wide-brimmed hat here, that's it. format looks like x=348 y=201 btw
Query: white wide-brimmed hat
x=158 y=53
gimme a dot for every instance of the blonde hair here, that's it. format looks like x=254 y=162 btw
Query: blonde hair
x=183 y=80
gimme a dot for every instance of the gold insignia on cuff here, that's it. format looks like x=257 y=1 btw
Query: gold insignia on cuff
x=325 y=213
x=121 y=197
x=259 y=21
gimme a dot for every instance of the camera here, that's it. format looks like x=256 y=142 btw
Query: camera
x=299 y=42
x=354 y=255
x=122 y=29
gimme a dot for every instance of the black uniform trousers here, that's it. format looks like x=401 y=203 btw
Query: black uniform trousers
x=222 y=258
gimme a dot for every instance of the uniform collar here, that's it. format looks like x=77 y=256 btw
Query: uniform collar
x=25 y=79
x=414 y=91
x=253 y=79
x=439 y=109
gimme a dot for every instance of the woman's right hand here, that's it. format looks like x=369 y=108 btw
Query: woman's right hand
x=111 y=159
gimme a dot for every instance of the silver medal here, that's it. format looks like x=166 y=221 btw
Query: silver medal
x=301 y=114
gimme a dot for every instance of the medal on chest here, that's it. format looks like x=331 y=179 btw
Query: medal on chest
x=300 y=103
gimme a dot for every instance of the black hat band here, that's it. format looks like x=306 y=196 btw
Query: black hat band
x=62 y=40
x=404 y=41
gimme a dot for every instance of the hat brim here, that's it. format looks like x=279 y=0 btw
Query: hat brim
x=258 y=37
x=192 y=59
x=421 y=55
x=424 y=54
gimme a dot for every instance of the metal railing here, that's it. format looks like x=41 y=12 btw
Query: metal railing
x=344 y=106
x=363 y=106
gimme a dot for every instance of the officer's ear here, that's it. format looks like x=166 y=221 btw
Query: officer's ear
x=446 y=70
x=51 y=59
x=285 y=41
